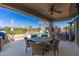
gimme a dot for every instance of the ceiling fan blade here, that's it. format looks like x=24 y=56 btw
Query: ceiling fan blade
x=57 y=11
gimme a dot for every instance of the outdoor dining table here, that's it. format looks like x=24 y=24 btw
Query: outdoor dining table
x=39 y=39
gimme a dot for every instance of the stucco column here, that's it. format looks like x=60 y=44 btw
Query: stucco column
x=50 y=29
x=77 y=29
x=77 y=32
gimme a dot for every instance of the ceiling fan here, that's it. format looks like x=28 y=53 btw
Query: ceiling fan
x=51 y=10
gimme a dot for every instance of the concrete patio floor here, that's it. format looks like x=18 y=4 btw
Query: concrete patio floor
x=17 y=48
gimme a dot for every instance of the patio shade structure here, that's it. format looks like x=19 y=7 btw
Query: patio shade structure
x=42 y=10
x=51 y=12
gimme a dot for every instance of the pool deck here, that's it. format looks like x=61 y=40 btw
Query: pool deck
x=17 y=48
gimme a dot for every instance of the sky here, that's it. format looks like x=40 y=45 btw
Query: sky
x=21 y=20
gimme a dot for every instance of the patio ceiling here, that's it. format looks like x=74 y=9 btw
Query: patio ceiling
x=41 y=10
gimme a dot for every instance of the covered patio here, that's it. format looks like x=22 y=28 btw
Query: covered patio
x=49 y=12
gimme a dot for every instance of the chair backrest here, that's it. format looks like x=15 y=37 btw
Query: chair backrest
x=56 y=42
x=37 y=48
x=25 y=38
x=54 y=45
x=2 y=34
x=26 y=41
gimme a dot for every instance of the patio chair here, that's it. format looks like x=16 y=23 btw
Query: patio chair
x=3 y=40
x=54 y=47
x=37 y=48
x=27 y=43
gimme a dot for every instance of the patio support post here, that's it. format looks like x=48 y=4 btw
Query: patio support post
x=70 y=31
x=77 y=32
x=50 y=30
x=77 y=26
